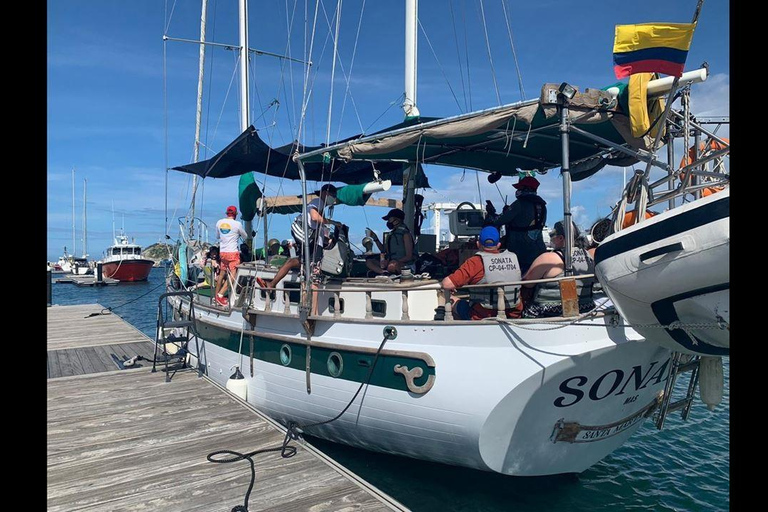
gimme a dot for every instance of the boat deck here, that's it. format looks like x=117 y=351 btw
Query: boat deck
x=127 y=440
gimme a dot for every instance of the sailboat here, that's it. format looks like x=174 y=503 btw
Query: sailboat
x=80 y=266
x=518 y=397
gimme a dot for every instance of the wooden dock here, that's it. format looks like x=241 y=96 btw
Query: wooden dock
x=127 y=440
x=86 y=280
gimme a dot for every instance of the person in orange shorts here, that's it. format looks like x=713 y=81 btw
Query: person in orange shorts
x=228 y=231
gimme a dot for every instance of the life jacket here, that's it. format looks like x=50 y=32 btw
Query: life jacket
x=549 y=293
x=499 y=267
x=396 y=244
x=539 y=206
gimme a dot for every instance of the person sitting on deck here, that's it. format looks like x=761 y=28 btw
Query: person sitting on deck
x=211 y=265
x=398 y=252
x=543 y=299
x=489 y=265
x=315 y=235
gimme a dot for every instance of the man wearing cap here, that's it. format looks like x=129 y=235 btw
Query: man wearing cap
x=316 y=235
x=489 y=265
x=545 y=298
x=398 y=250
x=228 y=231
x=523 y=221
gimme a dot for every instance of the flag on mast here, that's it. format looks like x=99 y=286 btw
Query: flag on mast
x=651 y=48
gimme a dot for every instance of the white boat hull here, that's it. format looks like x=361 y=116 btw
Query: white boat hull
x=502 y=398
x=674 y=267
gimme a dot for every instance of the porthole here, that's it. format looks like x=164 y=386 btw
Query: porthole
x=335 y=364
x=285 y=355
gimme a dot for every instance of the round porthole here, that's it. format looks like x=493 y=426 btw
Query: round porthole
x=285 y=355
x=335 y=364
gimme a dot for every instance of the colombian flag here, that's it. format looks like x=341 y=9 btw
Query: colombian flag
x=651 y=48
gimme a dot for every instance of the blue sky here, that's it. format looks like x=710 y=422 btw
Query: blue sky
x=107 y=116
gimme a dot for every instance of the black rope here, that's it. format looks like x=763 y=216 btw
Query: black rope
x=292 y=433
x=111 y=308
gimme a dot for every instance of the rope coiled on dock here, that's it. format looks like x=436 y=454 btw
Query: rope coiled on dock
x=292 y=433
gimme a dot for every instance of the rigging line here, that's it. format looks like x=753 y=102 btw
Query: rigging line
x=440 y=65
x=306 y=93
x=226 y=96
x=514 y=53
x=165 y=129
x=466 y=53
x=347 y=94
x=210 y=85
x=333 y=68
x=458 y=54
x=488 y=49
x=291 y=106
x=397 y=101
x=169 y=17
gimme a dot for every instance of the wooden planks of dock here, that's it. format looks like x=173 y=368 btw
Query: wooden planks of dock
x=127 y=440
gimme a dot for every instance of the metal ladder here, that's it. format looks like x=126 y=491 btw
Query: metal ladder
x=679 y=363
x=176 y=360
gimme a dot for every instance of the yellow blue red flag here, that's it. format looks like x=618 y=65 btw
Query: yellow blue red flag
x=651 y=48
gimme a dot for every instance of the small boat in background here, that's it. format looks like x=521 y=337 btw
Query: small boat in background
x=124 y=262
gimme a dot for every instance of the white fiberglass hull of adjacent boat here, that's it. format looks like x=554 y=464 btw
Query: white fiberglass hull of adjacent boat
x=517 y=401
x=674 y=267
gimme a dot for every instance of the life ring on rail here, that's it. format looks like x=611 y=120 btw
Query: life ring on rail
x=713 y=145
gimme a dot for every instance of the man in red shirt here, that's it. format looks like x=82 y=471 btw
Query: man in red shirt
x=489 y=265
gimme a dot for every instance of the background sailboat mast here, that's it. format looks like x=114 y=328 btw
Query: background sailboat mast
x=85 y=218
x=409 y=104
x=198 y=115
x=74 y=247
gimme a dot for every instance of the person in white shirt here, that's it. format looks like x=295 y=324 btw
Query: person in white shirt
x=228 y=232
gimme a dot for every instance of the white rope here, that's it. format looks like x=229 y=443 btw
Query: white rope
x=488 y=48
x=514 y=53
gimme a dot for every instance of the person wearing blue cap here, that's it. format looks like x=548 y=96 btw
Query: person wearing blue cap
x=489 y=265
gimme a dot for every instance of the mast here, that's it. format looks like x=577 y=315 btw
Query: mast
x=409 y=104
x=245 y=121
x=198 y=114
x=85 y=218
x=113 y=220
x=74 y=247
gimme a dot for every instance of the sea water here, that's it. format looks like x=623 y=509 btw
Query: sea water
x=683 y=468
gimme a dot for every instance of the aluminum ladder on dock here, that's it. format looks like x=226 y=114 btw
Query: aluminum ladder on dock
x=679 y=363
x=176 y=358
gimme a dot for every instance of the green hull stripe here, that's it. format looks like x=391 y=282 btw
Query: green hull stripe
x=355 y=365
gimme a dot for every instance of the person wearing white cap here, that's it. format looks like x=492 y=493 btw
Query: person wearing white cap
x=524 y=221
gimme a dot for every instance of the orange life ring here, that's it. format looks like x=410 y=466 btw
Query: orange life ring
x=714 y=145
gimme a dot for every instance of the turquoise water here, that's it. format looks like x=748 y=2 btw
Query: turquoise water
x=684 y=467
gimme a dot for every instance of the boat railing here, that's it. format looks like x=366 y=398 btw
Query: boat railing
x=417 y=299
